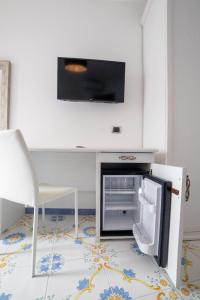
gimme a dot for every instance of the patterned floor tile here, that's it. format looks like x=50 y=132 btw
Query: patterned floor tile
x=191 y=267
x=80 y=269
x=190 y=262
x=122 y=245
x=168 y=294
x=20 y=244
x=75 y=281
x=70 y=249
x=87 y=227
x=136 y=274
x=12 y=238
x=20 y=285
x=7 y=267
x=67 y=223
x=190 y=291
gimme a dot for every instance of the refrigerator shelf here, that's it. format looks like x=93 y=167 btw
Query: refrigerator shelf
x=120 y=206
x=144 y=241
x=120 y=191
x=118 y=221
x=144 y=201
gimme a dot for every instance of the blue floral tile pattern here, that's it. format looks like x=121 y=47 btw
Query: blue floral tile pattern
x=5 y=297
x=7 y=265
x=129 y=273
x=14 y=238
x=49 y=297
x=115 y=293
x=136 y=249
x=186 y=262
x=90 y=231
x=83 y=284
x=158 y=279
x=50 y=263
x=26 y=247
x=78 y=242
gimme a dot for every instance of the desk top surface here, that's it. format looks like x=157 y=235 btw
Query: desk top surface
x=95 y=150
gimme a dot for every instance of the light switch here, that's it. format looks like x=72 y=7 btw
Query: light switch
x=116 y=129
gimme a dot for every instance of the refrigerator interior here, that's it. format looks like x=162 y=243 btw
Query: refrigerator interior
x=121 y=207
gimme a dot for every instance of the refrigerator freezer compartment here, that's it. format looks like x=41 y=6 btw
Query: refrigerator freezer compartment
x=121 y=183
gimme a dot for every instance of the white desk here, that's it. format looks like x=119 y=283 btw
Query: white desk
x=94 y=150
x=71 y=166
x=80 y=167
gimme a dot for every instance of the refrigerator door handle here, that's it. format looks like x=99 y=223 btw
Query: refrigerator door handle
x=174 y=191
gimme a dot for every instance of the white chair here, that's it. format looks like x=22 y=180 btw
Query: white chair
x=18 y=182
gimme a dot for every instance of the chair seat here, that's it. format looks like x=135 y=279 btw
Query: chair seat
x=49 y=193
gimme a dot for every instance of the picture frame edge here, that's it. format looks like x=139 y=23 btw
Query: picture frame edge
x=5 y=66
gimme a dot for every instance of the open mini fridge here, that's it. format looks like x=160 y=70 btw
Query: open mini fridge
x=145 y=203
x=138 y=205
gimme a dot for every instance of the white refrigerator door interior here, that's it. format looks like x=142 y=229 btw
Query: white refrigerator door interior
x=177 y=176
x=146 y=232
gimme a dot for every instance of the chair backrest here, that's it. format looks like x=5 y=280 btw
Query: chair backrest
x=17 y=178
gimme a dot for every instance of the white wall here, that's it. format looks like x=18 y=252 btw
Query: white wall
x=185 y=76
x=171 y=104
x=155 y=76
x=10 y=213
x=34 y=33
x=68 y=169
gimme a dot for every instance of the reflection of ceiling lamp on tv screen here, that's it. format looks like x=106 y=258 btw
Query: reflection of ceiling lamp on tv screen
x=90 y=80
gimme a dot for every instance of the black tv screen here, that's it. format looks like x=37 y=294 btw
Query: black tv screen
x=90 y=80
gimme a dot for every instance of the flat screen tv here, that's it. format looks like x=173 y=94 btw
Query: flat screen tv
x=90 y=80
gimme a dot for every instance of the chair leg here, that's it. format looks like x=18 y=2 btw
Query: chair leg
x=34 y=239
x=76 y=212
x=43 y=215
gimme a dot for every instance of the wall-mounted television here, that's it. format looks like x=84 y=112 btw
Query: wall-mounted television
x=92 y=80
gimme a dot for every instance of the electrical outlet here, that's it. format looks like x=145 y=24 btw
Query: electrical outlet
x=116 y=129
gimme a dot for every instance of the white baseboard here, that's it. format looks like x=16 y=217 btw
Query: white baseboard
x=191 y=236
x=192 y=233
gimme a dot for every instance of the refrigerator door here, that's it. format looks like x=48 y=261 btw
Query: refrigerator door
x=153 y=228
x=177 y=176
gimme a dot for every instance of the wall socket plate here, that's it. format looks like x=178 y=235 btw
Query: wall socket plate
x=116 y=129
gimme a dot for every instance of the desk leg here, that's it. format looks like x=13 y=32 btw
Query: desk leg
x=43 y=215
x=34 y=239
x=98 y=198
x=76 y=212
